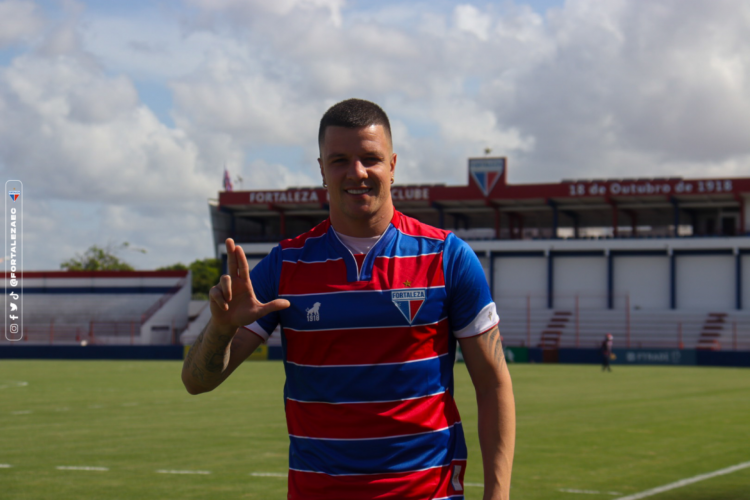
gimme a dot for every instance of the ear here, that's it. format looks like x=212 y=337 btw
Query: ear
x=322 y=172
x=394 y=157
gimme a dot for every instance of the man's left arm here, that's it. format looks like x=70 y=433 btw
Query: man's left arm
x=485 y=361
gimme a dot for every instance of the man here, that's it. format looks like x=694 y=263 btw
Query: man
x=370 y=304
x=606 y=351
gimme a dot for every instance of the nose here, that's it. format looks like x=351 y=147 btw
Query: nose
x=357 y=170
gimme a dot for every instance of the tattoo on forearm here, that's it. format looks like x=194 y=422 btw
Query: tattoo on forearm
x=494 y=345
x=216 y=353
x=212 y=360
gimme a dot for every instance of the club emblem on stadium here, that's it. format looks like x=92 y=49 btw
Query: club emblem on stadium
x=408 y=302
x=14 y=194
x=486 y=172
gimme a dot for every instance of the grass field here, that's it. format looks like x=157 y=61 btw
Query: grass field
x=578 y=429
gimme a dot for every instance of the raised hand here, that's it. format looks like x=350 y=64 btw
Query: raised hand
x=233 y=302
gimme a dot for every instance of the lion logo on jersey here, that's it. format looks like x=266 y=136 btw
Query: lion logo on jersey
x=313 y=313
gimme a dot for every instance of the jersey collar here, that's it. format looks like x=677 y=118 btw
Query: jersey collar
x=353 y=273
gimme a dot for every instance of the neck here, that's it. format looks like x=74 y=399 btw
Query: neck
x=362 y=228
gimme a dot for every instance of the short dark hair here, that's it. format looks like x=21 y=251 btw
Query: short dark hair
x=354 y=113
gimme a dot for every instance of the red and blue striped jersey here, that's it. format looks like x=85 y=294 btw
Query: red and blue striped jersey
x=369 y=345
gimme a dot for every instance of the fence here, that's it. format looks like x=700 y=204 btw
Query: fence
x=581 y=320
x=94 y=332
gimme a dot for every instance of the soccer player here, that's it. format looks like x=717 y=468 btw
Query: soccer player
x=371 y=304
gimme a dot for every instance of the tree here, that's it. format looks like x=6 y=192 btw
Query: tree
x=174 y=267
x=206 y=273
x=98 y=259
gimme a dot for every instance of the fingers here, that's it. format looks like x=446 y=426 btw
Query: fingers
x=221 y=294
x=217 y=297
x=225 y=283
x=231 y=258
x=243 y=267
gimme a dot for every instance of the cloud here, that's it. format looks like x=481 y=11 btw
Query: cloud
x=82 y=131
x=248 y=9
x=589 y=89
x=470 y=19
x=20 y=22
x=664 y=82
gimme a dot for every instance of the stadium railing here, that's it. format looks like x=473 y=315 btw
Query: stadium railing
x=581 y=321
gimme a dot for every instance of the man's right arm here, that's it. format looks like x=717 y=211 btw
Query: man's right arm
x=214 y=355
x=223 y=345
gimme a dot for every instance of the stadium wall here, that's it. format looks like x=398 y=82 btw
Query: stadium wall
x=659 y=357
x=669 y=273
x=171 y=317
x=92 y=352
x=664 y=357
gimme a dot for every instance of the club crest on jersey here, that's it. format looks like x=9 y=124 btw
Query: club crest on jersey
x=14 y=194
x=409 y=302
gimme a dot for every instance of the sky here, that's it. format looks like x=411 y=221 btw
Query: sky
x=120 y=117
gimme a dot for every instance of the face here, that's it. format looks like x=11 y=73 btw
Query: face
x=357 y=165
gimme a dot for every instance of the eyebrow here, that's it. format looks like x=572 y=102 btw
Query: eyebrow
x=336 y=155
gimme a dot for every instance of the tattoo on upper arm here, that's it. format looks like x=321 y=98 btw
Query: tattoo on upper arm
x=493 y=345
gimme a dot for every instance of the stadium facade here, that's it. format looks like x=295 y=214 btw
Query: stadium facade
x=659 y=262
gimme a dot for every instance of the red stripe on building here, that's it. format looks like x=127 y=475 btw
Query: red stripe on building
x=99 y=274
x=421 y=485
x=419 y=271
x=373 y=345
x=371 y=420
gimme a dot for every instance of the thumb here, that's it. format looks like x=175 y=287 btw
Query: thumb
x=274 y=305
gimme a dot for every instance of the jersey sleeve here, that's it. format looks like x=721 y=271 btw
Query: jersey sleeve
x=471 y=310
x=265 y=279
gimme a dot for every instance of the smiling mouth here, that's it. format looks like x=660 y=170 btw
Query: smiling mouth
x=358 y=190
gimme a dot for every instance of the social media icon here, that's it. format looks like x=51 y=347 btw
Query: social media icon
x=13 y=317
x=14 y=295
x=13 y=328
x=13 y=307
x=13 y=282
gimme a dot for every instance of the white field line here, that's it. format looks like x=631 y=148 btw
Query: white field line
x=589 y=492
x=269 y=474
x=478 y=485
x=165 y=471
x=81 y=467
x=685 y=482
x=13 y=384
x=21 y=412
x=5 y=466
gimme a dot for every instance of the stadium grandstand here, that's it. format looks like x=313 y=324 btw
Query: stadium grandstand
x=658 y=262
x=105 y=307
